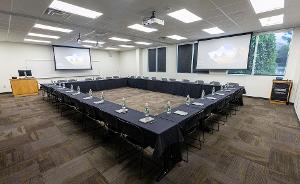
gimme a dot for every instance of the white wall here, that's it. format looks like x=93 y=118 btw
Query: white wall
x=129 y=64
x=297 y=101
x=40 y=60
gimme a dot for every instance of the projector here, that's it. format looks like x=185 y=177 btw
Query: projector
x=153 y=20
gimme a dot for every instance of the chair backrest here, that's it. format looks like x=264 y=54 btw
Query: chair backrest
x=232 y=84
x=185 y=80
x=108 y=77
x=98 y=78
x=116 y=77
x=172 y=80
x=134 y=133
x=215 y=83
x=88 y=79
x=146 y=77
x=72 y=80
x=132 y=77
x=138 y=77
x=153 y=78
x=199 y=82
x=61 y=81
x=164 y=79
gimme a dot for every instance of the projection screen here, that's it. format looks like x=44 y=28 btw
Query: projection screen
x=224 y=53
x=69 y=58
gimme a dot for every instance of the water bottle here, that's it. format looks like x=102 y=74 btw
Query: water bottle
x=123 y=103
x=63 y=85
x=188 y=100
x=102 y=96
x=78 y=89
x=146 y=110
x=202 y=94
x=222 y=88
x=90 y=93
x=213 y=91
x=72 y=89
x=169 y=109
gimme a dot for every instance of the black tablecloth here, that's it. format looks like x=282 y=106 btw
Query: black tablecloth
x=166 y=128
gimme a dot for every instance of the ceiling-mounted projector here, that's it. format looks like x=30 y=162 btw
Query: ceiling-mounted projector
x=153 y=20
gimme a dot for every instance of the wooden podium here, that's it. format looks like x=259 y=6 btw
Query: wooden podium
x=24 y=87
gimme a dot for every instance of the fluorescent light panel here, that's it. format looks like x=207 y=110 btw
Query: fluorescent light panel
x=69 y=8
x=52 y=28
x=111 y=48
x=92 y=41
x=140 y=27
x=176 y=37
x=185 y=16
x=126 y=46
x=261 y=6
x=36 y=41
x=274 y=20
x=213 y=30
x=143 y=43
x=120 y=39
x=43 y=35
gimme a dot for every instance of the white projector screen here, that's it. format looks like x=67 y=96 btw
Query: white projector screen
x=224 y=53
x=69 y=58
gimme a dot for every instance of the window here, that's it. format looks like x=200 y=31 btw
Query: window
x=187 y=55
x=157 y=59
x=268 y=54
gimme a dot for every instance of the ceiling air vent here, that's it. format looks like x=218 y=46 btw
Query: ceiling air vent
x=56 y=13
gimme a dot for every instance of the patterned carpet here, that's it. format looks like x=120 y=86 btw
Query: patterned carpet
x=259 y=145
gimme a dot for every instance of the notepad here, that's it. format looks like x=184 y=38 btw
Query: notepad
x=146 y=120
x=198 y=104
x=221 y=94
x=87 y=98
x=211 y=98
x=76 y=93
x=99 y=102
x=69 y=91
x=120 y=111
x=227 y=90
x=181 y=113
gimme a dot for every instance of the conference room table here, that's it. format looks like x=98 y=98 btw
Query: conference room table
x=164 y=134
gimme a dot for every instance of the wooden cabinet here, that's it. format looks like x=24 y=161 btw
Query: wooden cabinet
x=24 y=87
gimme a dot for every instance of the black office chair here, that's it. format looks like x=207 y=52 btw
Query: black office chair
x=108 y=77
x=232 y=84
x=215 y=83
x=88 y=79
x=72 y=80
x=132 y=77
x=185 y=80
x=134 y=136
x=146 y=78
x=164 y=79
x=153 y=78
x=99 y=78
x=199 y=82
x=138 y=77
x=116 y=77
x=172 y=80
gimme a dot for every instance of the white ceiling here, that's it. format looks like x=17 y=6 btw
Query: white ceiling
x=233 y=16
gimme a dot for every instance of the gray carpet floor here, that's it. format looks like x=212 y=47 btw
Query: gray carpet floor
x=259 y=145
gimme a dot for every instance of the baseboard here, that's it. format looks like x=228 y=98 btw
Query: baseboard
x=262 y=98
x=5 y=93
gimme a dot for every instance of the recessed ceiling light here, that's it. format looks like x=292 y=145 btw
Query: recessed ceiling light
x=185 y=16
x=213 y=30
x=92 y=41
x=88 y=46
x=261 y=6
x=52 y=28
x=126 y=46
x=274 y=20
x=143 y=43
x=37 y=41
x=140 y=27
x=120 y=39
x=176 y=37
x=111 y=48
x=43 y=35
x=69 y=8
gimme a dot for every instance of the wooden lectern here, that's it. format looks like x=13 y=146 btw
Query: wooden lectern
x=24 y=87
